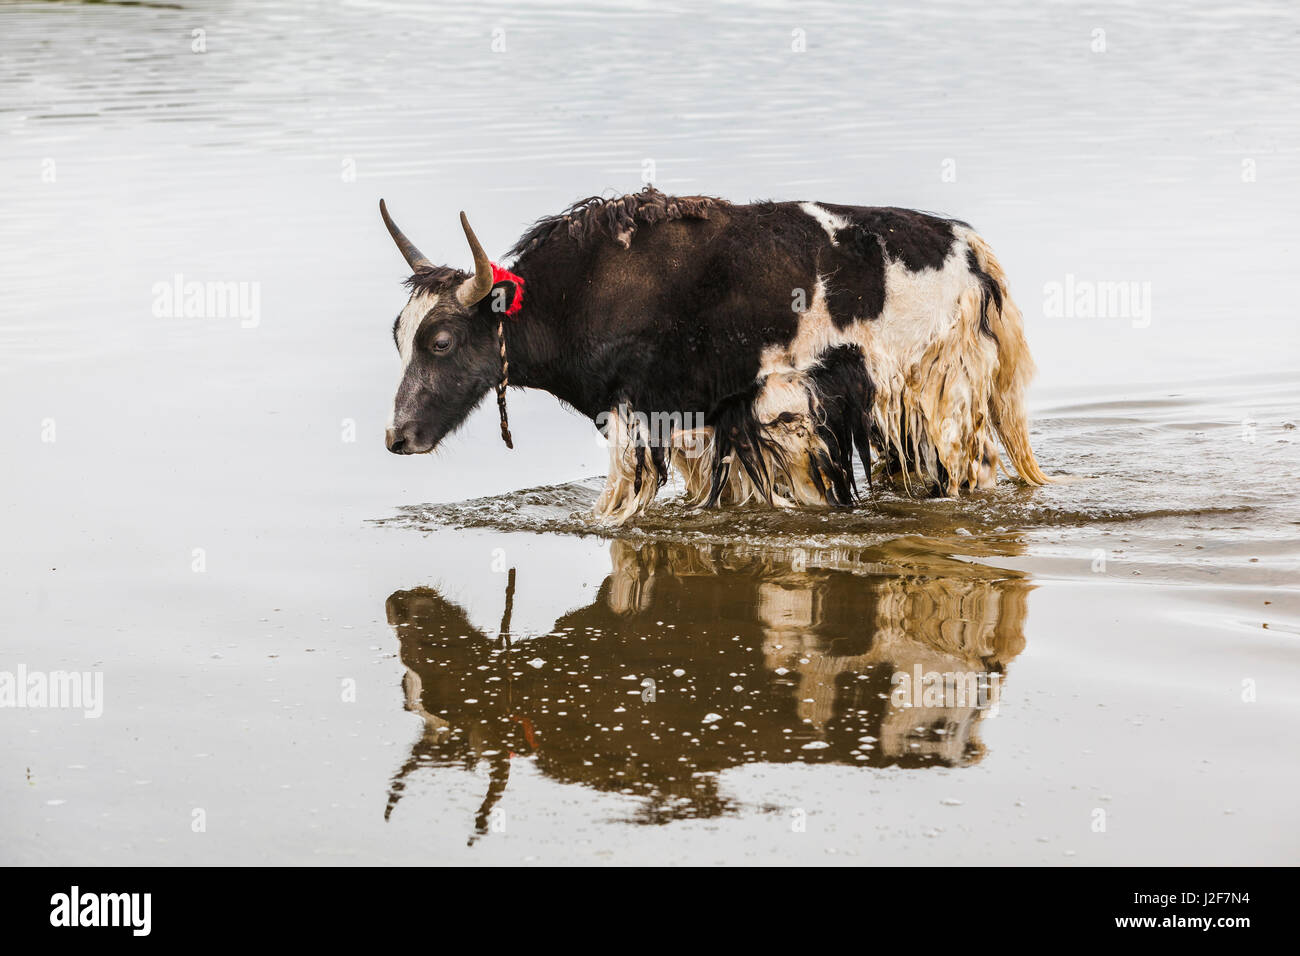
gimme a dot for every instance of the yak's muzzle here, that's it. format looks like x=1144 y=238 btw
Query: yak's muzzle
x=406 y=440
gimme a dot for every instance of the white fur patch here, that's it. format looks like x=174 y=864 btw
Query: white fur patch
x=931 y=369
x=919 y=307
x=409 y=323
x=829 y=221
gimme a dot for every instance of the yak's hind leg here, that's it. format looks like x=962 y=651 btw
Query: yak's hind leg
x=950 y=391
x=940 y=415
x=844 y=395
x=1015 y=366
x=789 y=440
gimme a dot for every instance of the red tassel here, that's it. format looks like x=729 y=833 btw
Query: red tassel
x=505 y=275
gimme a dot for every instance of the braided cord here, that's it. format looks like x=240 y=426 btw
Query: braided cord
x=502 y=383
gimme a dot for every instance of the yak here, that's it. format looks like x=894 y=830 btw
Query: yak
x=774 y=339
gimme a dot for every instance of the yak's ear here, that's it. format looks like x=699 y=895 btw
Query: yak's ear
x=414 y=258
x=502 y=297
x=480 y=283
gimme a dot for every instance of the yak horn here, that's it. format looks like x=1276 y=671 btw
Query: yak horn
x=480 y=284
x=414 y=258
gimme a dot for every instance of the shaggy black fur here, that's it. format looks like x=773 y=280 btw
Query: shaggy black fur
x=436 y=279
x=840 y=388
x=614 y=218
x=846 y=393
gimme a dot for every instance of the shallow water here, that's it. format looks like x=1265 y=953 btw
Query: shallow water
x=338 y=655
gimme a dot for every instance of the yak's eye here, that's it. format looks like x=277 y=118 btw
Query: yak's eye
x=442 y=342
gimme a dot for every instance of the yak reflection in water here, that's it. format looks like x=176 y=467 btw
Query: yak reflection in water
x=693 y=660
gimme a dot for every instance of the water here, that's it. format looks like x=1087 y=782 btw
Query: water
x=305 y=638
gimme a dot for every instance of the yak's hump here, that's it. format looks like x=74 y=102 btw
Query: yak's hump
x=615 y=218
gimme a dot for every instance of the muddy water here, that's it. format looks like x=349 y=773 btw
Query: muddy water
x=312 y=651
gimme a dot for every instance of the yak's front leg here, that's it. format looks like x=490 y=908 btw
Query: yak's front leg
x=636 y=467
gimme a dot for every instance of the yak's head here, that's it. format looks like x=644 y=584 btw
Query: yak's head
x=447 y=341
